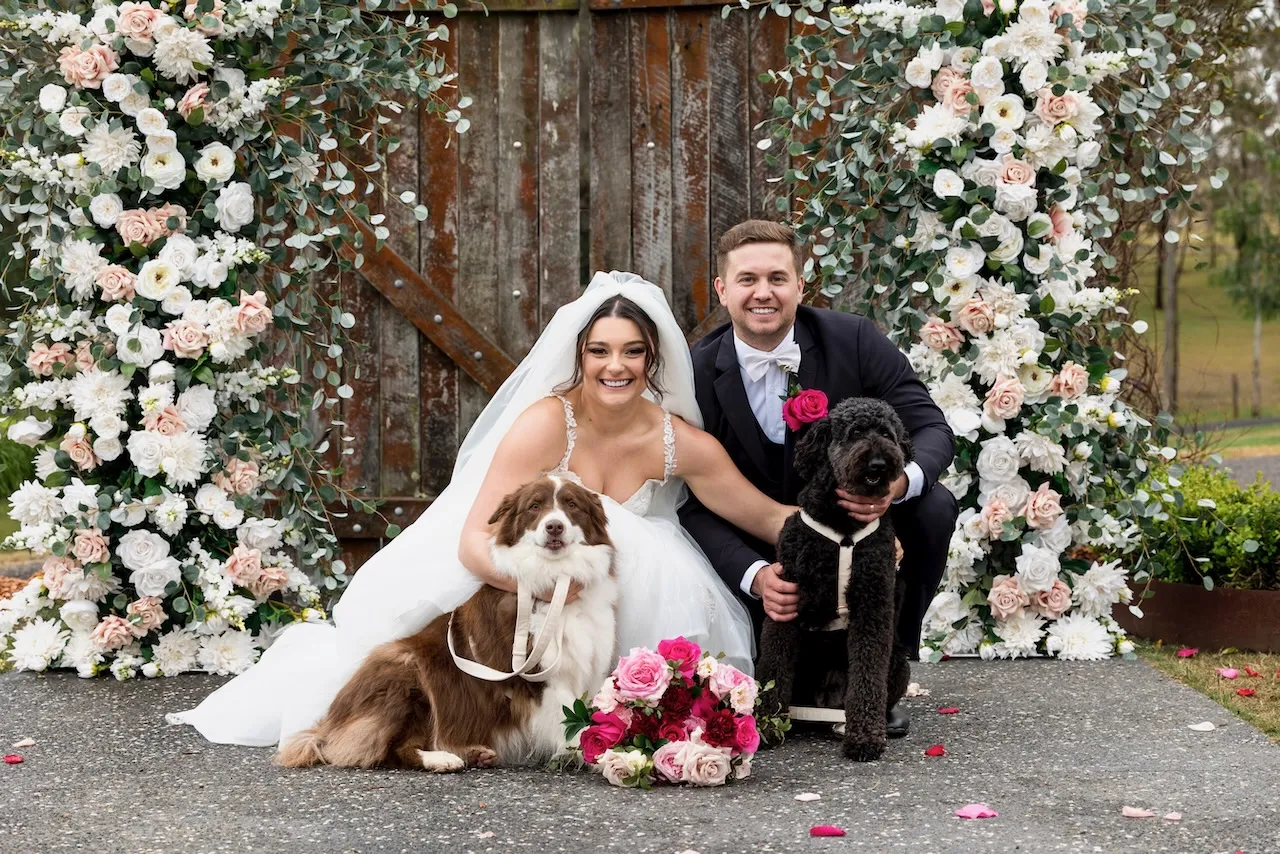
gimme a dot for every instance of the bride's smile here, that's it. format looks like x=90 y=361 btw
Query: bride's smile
x=614 y=361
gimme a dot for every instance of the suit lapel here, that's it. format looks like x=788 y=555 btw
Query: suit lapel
x=811 y=375
x=733 y=400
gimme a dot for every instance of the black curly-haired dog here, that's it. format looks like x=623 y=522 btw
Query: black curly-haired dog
x=861 y=447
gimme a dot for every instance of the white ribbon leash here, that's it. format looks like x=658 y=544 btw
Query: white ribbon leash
x=522 y=662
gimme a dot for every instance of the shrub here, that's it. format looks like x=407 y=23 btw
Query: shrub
x=15 y=465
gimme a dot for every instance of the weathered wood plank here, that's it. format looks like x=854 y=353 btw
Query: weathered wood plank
x=690 y=164
x=650 y=68
x=768 y=52
x=437 y=373
x=604 y=5
x=357 y=552
x=361 y=412
x=518 y=149
x=366 y=526
x=478 y=262
x=730 y=127
x=491 y=6
x=559 y=165
x=398 y=348
x=610 y=132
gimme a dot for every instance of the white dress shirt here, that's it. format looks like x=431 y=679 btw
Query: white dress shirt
x=765 y=395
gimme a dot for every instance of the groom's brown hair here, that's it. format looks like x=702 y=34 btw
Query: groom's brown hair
x=757 y=231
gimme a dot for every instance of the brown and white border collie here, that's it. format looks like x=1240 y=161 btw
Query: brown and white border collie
x=409 y=706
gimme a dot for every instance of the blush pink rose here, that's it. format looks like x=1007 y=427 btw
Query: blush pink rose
x=725 y=678
x=150 y=612
x=43 y=358
x=1078 y=11
x=1054 y=602
x=270 y=580
x=988 y=6
x=90 y=546
x=138 y=226
x=748 y=740
x=685 y=653
x=944 y=80
x=606 y=731
x=239 y=476
x=1071 y=382
x=1044 y=507
x=186 y=338
x=116 y=283
x=252 y=316
x=607 y=699
x=668 y=761
x=804 y=408
x=1006 y=598
x=940 y=335
x=84 y=355
x=244 y=566
x=705 y=765
x=81 y=452
x=976 y=317
x=195 y=98
x=136 y=21
x=55 y=571
x=1015 y=171
x=161 y=217
x=994 y=514
x=1004 y=399
x=1053 y=109
x=192 y=14
x=87 y=68
x=643 y=675
x=957 y=97
x=166 y=422
x=1062 y=224
x=113 y=632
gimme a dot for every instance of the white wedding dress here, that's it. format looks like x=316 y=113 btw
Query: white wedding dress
x=668 y=588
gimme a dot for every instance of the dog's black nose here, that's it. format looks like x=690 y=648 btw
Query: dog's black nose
x=877 y=466
x=555 y=528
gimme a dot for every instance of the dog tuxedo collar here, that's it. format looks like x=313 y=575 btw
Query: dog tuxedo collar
x=846 y=544
x=523 y=665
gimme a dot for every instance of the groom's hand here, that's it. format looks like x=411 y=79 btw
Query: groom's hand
x=865 y=509
x=781 y=598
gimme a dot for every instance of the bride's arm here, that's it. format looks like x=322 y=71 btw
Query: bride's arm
x=711 y=474
x=533 y=445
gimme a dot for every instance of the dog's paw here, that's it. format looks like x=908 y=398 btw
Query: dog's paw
x=863 y=751
x=441 y=761
x=480 y=757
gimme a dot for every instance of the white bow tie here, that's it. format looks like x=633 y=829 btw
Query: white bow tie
x=786 y=356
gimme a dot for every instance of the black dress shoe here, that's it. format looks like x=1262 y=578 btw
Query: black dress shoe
x=896 y=722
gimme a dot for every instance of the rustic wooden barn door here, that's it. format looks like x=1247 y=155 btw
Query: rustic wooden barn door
x=605 y=134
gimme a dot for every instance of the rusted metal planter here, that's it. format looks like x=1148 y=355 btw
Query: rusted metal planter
x=1214 y=619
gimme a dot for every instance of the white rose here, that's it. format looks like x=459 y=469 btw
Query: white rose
x=1087 y=154
x=146 y=451
x=161 y=372
x=197 y=406
x=150 y=120
x=217 y=163
x=228 y=516
x=180 y=251
x=987 y=73
x=29 y=431
x=1037 y=568
x=1005 y=111
x=71 y=121
x=176 y=302
x=618 y=765
x=155 y=577
x=1038 y=264
x=261 y=534
x=209 y=498
x=165 y=140
x=1016 y=201
x=235 y=206
x=706 y=766
x=951 y=10
x=1013 y=493
x=962 y=60
x=106 y=209
x=80 y=615
x=1003 y=140
x=108 y=448
x=134 y=103
x=138 y=549
x=166 y=168
x=140 y=346
x=947 y=184
x=983 y=172
x=919 y=74
x=116 y=87
x=964 y=261
x=52 y=98
x=107 y=425
x=119 y=318
x=999 y=460
x=1057 y=538
x=157 y=279
x=1034 y=75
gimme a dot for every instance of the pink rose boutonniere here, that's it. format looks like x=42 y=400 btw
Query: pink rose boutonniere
x=803 y=405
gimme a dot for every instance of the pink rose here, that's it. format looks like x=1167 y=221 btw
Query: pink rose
x=704 y=705
x=161 y=217
x=81 y=452
x=166 y=422
x=195 y=98
x=748 y=736
x=944 y=80
x=84 y=355
x=1006 y=598
x=113 y=632
x=1004 y=399
x=219 y=10
x=668 y=761
x=705 y=765
x=186 y=338
x=56 y=571
x=988 y=6
x=994 y=515
x=90 y=546
x=253 y=315
x=685 y=653
x=239 y=476
x=1052 y=109
x=1071 y=382
x=87 y=68
x=244 y=565
x=116 y=283
x=1015 y=171
x=138 y=226
x=1054 y=602
x=976 y=317
x=136 y=21
x=1044 y=506
x=1077 y=10
x=43 y=358
x=727 y=677
x=607 y=699
x=270 y=580
x=606 y=731
x=940 y=335
x=643 y=675
x=805 y=407
x=1062 y=224
x=957 y=97
x=150 y=612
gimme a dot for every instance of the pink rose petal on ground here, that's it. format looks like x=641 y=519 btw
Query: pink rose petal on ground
x=1228 y=672
x=1187 y=652
x=936 y=750
x=1249 y=671
x=13 y=759
x=808 y=796
x=1203 y=726
x=1173 y=816
x=1246 y=692
x=1136 y=812
x=949 y=710
x=976 y=811
x=825 y=830
x=488 y=834
x=26 y=742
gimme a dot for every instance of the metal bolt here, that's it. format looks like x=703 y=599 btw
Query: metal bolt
x=439 y=318
x=478 y=355
x=399 y=511
x=649 y=145
x=399 y=283
x=357 y=528
x=515 y=295
x=517 y=144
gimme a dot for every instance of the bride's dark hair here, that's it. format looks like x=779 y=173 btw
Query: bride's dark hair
x=620 y=306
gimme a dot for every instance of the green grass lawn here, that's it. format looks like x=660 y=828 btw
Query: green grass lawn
x=1262 y=708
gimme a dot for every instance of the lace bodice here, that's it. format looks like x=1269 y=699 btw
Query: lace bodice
x=642 y=498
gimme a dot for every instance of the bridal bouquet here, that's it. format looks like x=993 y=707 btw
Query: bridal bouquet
x=671 y=716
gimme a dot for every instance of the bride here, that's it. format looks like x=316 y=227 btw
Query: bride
x=606 y=396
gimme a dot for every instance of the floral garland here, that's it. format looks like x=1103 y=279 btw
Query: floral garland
x=979 y=243
x=156 y=150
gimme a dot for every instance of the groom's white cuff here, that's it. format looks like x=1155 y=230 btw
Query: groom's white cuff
x=915 y=482
x=750 y=576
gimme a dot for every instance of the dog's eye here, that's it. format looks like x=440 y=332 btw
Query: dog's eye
x=571 y=504
x=537 y=505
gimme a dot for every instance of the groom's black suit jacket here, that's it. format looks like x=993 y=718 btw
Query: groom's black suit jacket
x=843 y=355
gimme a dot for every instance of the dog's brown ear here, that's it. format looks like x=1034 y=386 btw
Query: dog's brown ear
x=811 y=449
x=505 y=507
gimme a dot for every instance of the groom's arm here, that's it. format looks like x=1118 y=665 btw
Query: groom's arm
x=735 y=561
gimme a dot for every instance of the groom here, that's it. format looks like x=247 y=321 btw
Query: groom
x=741 y=372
